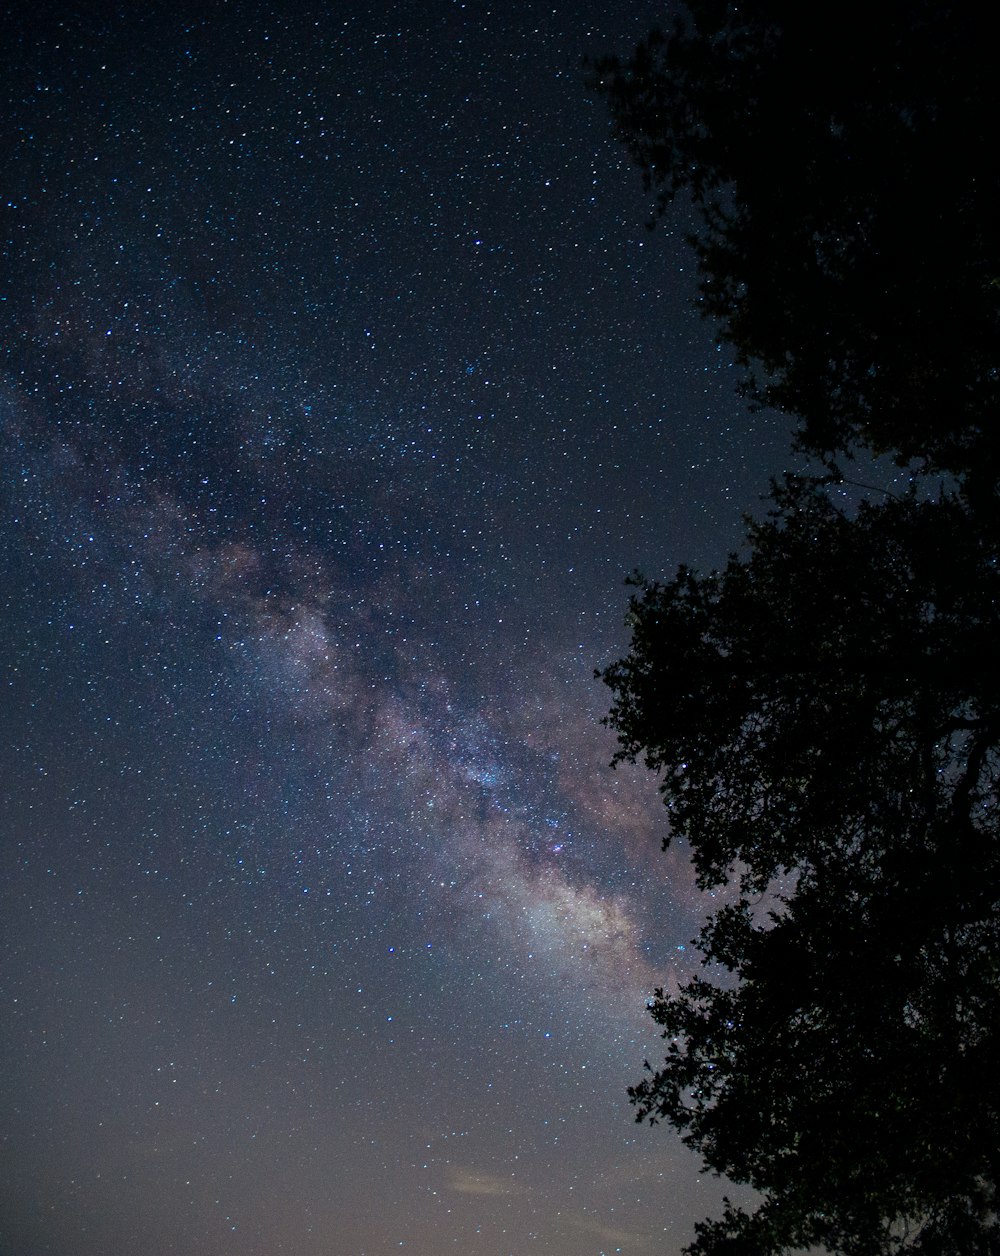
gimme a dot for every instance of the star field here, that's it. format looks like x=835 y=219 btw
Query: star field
x=341 y=387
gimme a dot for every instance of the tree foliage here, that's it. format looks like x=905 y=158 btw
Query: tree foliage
x=827 y=731
x=824 y=714
x=845 y=171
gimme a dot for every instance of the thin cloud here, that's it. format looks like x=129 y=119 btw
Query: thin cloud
x=470 y=1182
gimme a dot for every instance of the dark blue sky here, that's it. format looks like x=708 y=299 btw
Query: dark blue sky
x=341 y=387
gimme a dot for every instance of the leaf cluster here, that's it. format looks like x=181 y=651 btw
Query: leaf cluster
x=845 y=174
x=828 y=740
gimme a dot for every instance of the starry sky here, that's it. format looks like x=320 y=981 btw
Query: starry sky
x=341 y=387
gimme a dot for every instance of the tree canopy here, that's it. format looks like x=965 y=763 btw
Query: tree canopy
x=828 y=745
x=845 y=171
x=824 y=713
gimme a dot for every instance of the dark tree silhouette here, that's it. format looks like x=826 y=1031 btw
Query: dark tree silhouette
x=825 y=718
x=824 y=714
x=845 y=170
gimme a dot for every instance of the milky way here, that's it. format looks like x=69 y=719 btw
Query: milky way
x=342 y=386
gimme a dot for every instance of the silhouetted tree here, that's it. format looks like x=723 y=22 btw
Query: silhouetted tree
x=844 y=165
x=824 y=715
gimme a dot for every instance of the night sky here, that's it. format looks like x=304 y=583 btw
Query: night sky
x=342 y=385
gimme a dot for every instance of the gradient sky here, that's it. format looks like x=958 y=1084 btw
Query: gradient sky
x=341 y=387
